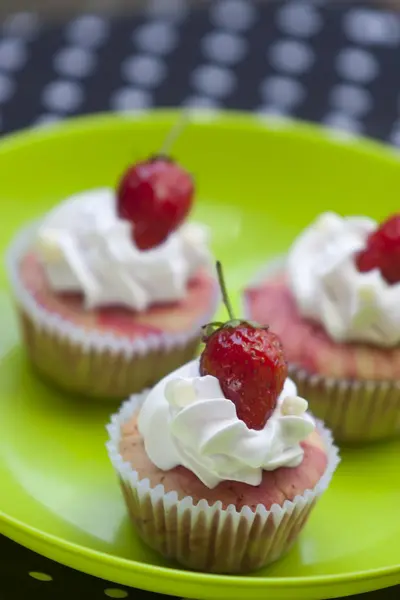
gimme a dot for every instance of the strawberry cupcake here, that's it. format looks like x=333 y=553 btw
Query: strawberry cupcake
x=334 y=301
x=112 y=287
x=220 y=464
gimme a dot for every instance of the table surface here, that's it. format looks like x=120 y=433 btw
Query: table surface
x=336 y=64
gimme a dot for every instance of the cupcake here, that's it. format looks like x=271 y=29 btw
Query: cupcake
x=334 y=300
x=220 y=465
x=112 y=287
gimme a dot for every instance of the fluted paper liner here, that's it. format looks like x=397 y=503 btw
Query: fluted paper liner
x=211 y=538
x=356 y=411
x=94 y=364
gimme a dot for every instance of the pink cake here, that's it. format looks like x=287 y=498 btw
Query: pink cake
x=113 y=286
x=174 y=318
x=334 y=301
x=233 y=527
x=308 y=346
x=159 y=339
x=276 y=486
x=220 y=464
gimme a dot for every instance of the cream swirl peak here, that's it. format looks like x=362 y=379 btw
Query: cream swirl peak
x=328 y=288
x=86 y=247
x=186 y=420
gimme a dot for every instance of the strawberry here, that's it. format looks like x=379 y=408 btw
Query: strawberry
x=155 y=195
x=382 y=251
x=248 y=361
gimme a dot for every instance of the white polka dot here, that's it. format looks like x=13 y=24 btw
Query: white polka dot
x=62 y=95
x=172 y=9
x=351 y=99
x=299 y=18
x=394 y=137
x=47 y=119
x=233 y=14
x=12 y=54
x=7 y=87
x=372 y=27
x=337 y=120
x=74 y=62
x=340 y=136
x=23 y=24
x=223 y=47
x=88 y=30
x=200 y=102
x=130 y=98
x=271 y=110
x=213 y=81
x=291 y=56
x=155 y=38
x=357 y=65
x=282 y=91
x=148 y=71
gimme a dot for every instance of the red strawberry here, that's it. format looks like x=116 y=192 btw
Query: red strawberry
x=382 y=251
x=248 y=361
x=156 y=196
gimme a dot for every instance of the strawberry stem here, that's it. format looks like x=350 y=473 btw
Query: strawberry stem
x=225 y=297
x=174 y=133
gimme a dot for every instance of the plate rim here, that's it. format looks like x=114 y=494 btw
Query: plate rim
x=208 y=118
x=211 y=118
x=194 y=577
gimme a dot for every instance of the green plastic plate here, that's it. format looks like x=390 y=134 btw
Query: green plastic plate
x=259 y=183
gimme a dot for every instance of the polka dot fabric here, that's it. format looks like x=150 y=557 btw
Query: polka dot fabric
x=335 y=64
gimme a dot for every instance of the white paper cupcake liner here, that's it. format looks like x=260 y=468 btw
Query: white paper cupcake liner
x=356 y=411
x=90 y=362
x=211 y=538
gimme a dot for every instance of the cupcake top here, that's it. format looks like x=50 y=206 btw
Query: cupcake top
x=187 y=420
x=344 y=273
x=130 y=247
x=231 y=414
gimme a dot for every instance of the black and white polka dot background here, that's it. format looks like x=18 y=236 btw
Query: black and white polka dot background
x=332 y=63
x=335 y=64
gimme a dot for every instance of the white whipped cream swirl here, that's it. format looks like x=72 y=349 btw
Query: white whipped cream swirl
x=329 y=289
x=85 y=247
x=186 y=420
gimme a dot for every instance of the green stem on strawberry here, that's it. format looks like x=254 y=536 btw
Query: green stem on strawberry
x=224 y=292
x=174 y=133
x=248 y=361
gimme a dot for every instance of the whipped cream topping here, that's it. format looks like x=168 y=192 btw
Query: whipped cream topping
x=329 y=289
x=186 y=420
x=85 y=247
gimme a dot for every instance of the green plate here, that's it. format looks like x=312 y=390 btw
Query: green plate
x=259 y=183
